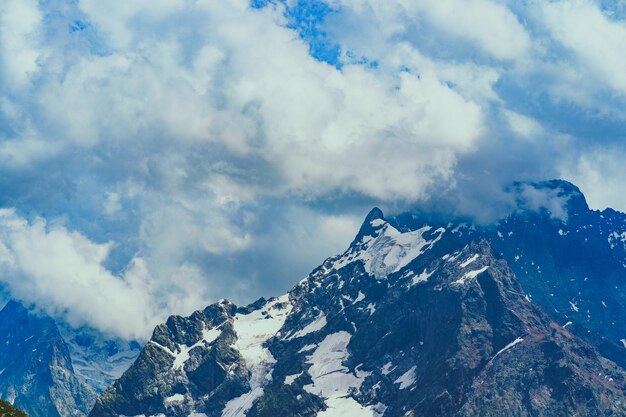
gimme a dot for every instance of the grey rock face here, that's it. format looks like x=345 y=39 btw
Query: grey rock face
x=36 y=373
x=412 y=320
x=573 y=266
x=98 y=359
x=188 y=364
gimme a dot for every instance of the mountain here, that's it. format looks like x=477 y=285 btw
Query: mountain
x=97 y=358
x=418 y=317
x=50 y=369
x=36 y=373
x=572 y=266
x=7 y=410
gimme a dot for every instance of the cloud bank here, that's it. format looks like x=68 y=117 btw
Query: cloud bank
x=157 y=156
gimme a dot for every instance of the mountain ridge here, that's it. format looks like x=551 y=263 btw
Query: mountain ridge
x=412 y=319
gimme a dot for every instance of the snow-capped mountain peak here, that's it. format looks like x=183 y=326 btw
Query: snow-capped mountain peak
x=383 y=249
x=443 y=327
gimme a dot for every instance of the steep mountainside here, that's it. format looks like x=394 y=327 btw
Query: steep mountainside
x=7 y=410
x=36 y=373
x=412 y=320
x=96 y=358
x=573 y=264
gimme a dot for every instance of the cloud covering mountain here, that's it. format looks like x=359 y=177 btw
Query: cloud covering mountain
x=158 y=155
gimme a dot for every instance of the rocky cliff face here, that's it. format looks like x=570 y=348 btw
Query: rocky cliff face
x=572 y=263
x=36 y=373
x=412 y=320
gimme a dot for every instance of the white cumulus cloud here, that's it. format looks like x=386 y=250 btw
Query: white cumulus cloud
x=62 y=272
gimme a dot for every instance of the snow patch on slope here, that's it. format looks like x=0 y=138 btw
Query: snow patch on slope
x=182 y=354
x=470 y=275
x=390 y=251
x=423 y=277
x=176 y=398
x=290 y=379
x=507 y=347
x=333 y=381
x=253 y=330
x=329 y=375
x=617 y=237
x=406 y=379
x=317 y=325
x=387 y=368
x=348 y=407
x=307 y=348
x=239 y=406
x=360 y=297
x=469 y=261
x=180 y=357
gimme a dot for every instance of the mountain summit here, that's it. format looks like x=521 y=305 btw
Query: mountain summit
x=520 y=318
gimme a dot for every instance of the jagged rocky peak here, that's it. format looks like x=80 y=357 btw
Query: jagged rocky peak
x=570 y=260
x=213 y=359
x=574 y=269
x=372 y=223
x=407 y=321
x=383 y=249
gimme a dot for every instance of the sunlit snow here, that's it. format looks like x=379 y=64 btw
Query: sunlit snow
x=253 y=330
x=333 y=381
x=316 y=325
x=390 y=251
x=470 y=275
x=469 y=261
x=406 y=379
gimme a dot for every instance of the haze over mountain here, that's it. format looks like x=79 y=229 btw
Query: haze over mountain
x=49 y=369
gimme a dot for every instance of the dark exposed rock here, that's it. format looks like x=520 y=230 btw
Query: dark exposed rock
x=573 y=267
x=7 y=410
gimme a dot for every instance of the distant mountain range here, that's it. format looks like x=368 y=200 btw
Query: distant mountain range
x=420 y=316
x=48 y=369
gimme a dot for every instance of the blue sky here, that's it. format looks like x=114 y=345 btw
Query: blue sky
x=156 y=156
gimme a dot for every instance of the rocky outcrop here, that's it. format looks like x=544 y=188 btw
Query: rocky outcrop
x=571 y=263
x=7 y=410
